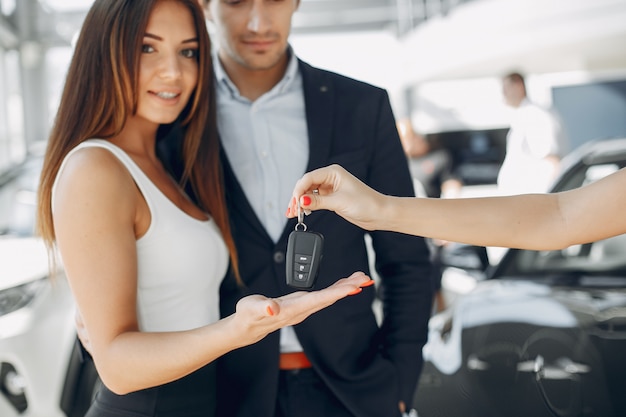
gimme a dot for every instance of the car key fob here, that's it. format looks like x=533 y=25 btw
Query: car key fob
x=304 y=253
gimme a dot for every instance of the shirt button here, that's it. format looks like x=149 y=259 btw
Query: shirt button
x=279 y=257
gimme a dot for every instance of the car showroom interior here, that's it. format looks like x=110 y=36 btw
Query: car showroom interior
x=511 y=332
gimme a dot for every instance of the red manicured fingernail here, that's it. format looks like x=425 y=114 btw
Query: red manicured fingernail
x=306 y=200
x=356 y=291
x=270 y=311
x=368 y=283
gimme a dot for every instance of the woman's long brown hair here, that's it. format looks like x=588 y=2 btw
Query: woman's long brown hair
x=101 y=91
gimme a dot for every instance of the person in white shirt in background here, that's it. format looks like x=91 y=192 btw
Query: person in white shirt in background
x=533 y=144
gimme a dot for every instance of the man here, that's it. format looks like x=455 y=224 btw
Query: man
x=278 y=117
x=431 y=167
x=532 y=150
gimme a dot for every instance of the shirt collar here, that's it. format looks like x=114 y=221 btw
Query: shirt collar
x=223 y=81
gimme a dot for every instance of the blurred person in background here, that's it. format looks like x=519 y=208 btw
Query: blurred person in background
x=533 y=145
x=432 y=172
x=279 y=117
x=431 y=167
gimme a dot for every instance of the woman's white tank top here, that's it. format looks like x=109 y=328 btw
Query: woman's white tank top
x=181 y=260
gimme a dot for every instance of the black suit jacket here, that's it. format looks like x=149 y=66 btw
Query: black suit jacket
x=369 y=368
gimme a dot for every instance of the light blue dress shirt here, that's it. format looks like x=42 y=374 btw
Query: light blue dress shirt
x=267 y=145
x=266 y=142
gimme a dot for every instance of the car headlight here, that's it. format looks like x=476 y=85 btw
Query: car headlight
x=12 y=299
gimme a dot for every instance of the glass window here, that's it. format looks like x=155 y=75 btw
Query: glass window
x=11 y=114
x=57 y=62
x=12 y=147
x=4 y=131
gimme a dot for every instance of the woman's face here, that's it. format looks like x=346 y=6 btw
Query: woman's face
x=168 y=71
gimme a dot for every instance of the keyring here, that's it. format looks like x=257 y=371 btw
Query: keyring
x=300 y=219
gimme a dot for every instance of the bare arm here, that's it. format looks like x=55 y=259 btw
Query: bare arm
x=95 y=218
x=531 y=221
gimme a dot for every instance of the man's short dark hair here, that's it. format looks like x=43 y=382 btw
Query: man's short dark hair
x=516 y=77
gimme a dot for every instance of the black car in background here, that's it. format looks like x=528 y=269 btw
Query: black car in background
x=544 y=333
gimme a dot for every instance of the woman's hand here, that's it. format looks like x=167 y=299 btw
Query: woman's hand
x=334 y=188
x=258 y=315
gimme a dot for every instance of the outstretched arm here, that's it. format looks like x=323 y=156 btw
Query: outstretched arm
x=95 y=212
x=529 y=221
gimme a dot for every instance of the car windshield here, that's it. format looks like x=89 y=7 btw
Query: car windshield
x=597 y=263
x=18 y=199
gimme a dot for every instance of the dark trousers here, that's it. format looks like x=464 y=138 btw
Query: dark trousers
x=302 y=393
x=190 y=396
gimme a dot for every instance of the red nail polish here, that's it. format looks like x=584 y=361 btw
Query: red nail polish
x=368 y=283
x=356 y=291
x=270 y=311
x=306 y=200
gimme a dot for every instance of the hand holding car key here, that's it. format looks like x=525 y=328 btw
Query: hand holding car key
x=304 y=253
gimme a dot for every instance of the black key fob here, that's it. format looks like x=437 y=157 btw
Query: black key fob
x=304 y=253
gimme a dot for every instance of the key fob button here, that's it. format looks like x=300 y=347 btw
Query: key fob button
x=303 y=258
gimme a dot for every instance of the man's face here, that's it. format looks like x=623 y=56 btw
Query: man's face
x=252 y=33
x=512 y=92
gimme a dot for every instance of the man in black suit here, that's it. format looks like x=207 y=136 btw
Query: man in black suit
x=277 y=118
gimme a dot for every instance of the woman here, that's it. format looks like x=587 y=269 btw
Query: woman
x=529 y=221
x=143 y=261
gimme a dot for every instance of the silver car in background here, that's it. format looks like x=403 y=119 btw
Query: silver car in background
x=41 y=370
